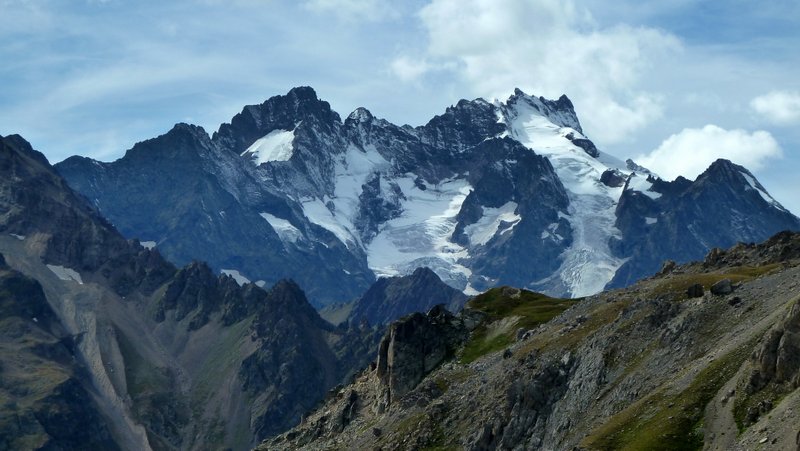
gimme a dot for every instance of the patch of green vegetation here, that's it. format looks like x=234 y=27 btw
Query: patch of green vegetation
x=679 y=283
x=664 y=422
x=528 y=308
x=218 y=364
x=532 y=308
x=442 y=384
x=479 y=345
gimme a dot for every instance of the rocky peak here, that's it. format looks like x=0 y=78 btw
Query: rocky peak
x=360 y=115
x=735 y=182
x=288 y=294
x=183 y=144
x=462 y=126
x=21 y=145
x=560 y=112
x=284 y=112
x=633 y=166
x=393 y=297
x=724 y=170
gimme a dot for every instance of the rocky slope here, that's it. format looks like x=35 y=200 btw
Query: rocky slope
x=700 y=355
x=484 y=194
x=106 y=345
x=45 y=406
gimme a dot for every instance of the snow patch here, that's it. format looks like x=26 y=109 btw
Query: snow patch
x=486 y=228
x=19 y=237
x=642 y=185
x=148 y=244
x=550 y=232
x=470 y=291
x=753 y=184
x=261 y=283
x=237 y=276
x=67 y=274
x=650 y=221
x=318 y=213
x=275 y=146
x=285 y=230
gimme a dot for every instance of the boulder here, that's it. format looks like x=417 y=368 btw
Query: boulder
x=695 y=291
x=722 y=287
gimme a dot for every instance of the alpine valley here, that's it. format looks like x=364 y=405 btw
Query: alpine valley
x=295 y=281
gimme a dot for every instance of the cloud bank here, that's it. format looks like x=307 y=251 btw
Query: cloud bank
x=692 y=150
x=546 y=47
x=778 y=107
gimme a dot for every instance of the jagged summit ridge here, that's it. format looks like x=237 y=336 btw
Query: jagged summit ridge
x=485 y=193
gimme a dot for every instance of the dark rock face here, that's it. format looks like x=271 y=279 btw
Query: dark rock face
x=723 y=206
x=413 y=347
x=528 y=180
x=612 y=178
x=389 y=299
x=584 y=144
x=292 y=384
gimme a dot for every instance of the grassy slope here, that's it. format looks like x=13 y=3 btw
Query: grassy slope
x=520 y=308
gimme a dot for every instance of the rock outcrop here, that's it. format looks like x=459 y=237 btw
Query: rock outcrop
x=778 y=359
x=413 y=347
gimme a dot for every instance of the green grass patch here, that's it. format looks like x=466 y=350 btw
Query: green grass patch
x=532 y=308
x=528 y=308
x=679 y=283
x=479 y=345
x=664 y=422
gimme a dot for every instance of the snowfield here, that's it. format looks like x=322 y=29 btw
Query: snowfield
x=588 y=264
x=275 y=146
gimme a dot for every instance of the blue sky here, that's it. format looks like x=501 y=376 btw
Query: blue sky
x=674 y=85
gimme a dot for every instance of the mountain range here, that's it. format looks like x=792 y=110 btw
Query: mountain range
x=485 y=194
x=106 y=344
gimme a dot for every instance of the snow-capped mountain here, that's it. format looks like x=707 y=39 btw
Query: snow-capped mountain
x=487 y=193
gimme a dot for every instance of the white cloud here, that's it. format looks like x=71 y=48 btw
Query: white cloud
x=372 y=10
x=691 y=151
x=408 y=69
x=549 y=48
x=779 y=107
